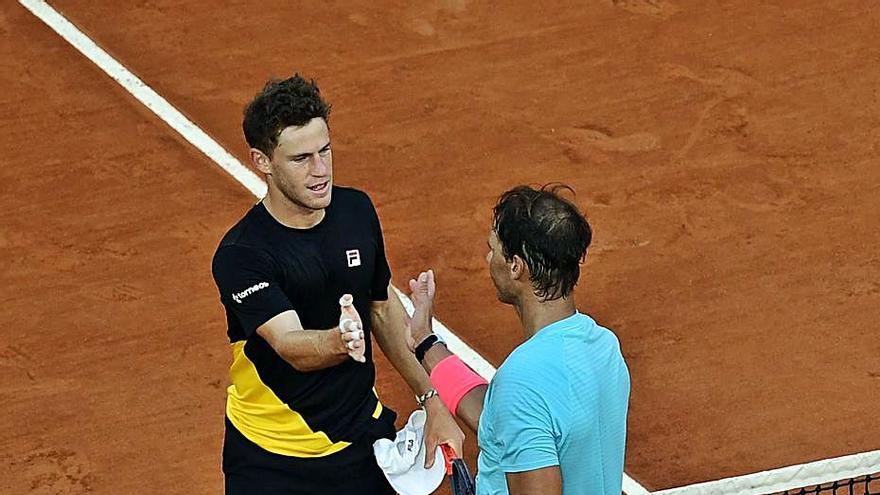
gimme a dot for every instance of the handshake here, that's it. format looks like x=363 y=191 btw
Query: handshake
x=351 y=329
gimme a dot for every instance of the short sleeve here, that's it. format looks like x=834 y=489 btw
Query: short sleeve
x=381 y=270
x=524 y=426
x=249 y=288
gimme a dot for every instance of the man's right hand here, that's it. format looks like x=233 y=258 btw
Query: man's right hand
x=351 y=329
x=422 y=292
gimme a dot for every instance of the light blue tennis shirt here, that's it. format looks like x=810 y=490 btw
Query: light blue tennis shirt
x=559 y=399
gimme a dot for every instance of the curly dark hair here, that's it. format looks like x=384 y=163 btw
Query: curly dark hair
x=548 y=232
x=281 y=104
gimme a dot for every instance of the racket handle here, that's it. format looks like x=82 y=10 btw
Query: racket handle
x=448 y=456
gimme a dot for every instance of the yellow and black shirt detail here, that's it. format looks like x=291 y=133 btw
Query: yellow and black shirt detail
x=263 y=268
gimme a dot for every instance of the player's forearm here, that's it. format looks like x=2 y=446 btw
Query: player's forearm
x=390 y=332
x=470 y=407
x=311 y=350
x=433 y=357
x=305 y=350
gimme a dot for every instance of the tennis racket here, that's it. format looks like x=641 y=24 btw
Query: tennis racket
x=459 y=476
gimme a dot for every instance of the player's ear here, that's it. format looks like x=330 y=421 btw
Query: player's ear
x=518 y=267
x=260 y=161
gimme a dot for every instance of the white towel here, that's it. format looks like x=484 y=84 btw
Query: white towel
x=403 y=459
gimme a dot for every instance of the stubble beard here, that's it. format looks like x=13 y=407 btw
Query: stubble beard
x=503 y=297
x=288 y=194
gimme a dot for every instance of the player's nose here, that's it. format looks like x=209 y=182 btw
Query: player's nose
x=319 y=165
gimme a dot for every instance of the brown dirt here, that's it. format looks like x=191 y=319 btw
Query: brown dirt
x=724 y=150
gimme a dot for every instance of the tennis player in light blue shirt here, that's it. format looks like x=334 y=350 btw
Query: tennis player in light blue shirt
x=559 y=399
x=553 y=419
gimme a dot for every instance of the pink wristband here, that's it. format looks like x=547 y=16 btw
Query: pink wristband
x=453 y=380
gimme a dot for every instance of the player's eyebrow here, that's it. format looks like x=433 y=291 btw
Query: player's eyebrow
x=301 y=156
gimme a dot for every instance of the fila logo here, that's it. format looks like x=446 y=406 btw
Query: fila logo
x=238 y=296
x=354 y=258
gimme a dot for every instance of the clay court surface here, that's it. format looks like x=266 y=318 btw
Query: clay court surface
x=725 y=152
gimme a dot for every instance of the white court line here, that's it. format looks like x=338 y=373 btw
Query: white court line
x=145 y=94
x=204 y=143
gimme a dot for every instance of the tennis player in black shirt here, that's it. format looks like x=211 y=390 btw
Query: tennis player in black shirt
x=301 y=412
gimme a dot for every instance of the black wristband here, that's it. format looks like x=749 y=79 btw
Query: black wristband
x=426 y=344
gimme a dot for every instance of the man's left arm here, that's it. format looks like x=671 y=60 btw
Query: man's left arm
x=543 y=481
x=389 y=328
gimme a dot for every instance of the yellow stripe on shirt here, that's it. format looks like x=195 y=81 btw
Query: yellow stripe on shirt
x=255 y=411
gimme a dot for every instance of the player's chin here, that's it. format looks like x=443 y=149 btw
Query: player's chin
x=319 y=201
x=323 y=202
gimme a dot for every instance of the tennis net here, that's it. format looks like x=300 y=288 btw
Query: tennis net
x=857 y=474
x=861 y=485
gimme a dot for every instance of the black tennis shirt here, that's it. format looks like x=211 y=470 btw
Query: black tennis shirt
x=263 y=268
